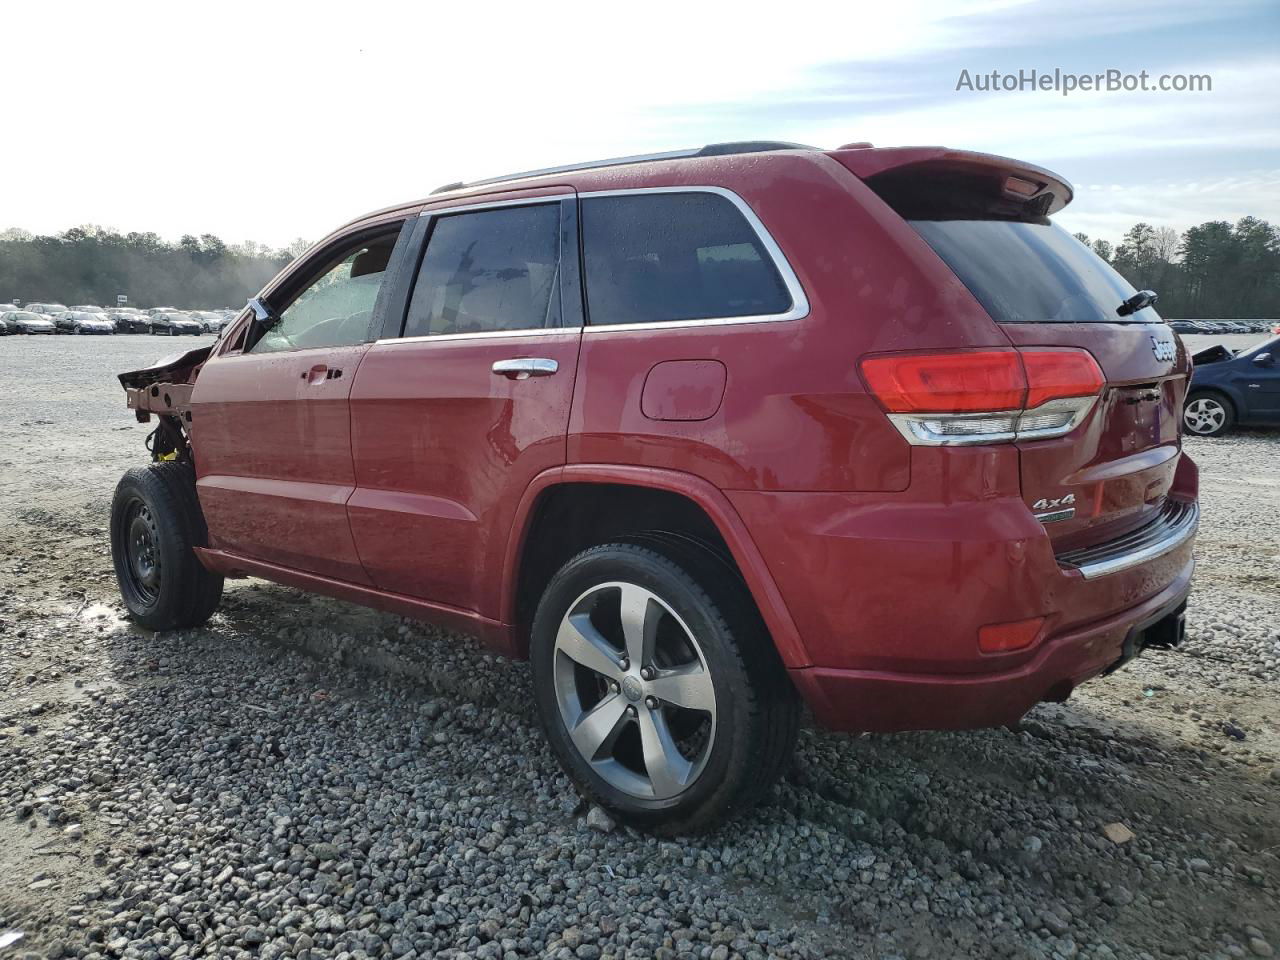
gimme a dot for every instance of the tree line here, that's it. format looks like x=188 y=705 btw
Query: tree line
x=92 y=264
x=1217 y=270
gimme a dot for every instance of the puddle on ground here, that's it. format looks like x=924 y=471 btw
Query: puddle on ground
x=103 y=615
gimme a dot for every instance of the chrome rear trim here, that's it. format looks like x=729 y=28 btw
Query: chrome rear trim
x=1175 y=525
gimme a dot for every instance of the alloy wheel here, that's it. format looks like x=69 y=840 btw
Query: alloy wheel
x=1204 y=415
x=634 y=691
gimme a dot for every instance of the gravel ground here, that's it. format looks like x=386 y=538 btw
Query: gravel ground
x=304 y=778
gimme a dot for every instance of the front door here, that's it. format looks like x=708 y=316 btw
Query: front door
x=271 y=423
x=1259 y=382
x=452 y=420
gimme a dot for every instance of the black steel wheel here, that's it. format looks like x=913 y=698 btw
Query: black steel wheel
x=155 y=524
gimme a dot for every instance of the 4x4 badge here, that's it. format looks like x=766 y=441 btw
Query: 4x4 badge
x=1045 y=504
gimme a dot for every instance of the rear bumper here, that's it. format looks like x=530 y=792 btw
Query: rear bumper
x=890 y=592
x=884 y=701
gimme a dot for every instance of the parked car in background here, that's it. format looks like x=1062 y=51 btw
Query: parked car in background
x=45 y=309
x=86 y=322
x=210 y=321
x=1182 y=326
x=129 y=321
x=173 y=323
x=8 y=307
x=703 y=435
x=27 y=321
x=152 y=311
x=1229 y=388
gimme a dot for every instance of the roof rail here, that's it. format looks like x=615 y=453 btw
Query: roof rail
x=710 y=150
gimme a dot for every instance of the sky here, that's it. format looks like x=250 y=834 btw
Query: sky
x=269 y=121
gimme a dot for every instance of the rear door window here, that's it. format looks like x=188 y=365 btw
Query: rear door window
x=1031 y=271
x=660 y=257
x=489 y=271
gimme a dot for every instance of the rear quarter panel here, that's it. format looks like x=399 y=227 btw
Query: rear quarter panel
x=795 y=414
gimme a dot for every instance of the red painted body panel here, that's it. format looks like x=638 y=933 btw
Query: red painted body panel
x=495 y=635
x=1120 y=463
x=273 y=458
x=683 y=390
x=891 y=700
x=717 y=507
x=444 y=449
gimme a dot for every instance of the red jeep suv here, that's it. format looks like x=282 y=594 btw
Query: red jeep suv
x=705 y=435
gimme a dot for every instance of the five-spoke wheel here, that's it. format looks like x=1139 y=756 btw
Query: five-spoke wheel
x=1207 y=415
x=658 y=686
x=634 y=690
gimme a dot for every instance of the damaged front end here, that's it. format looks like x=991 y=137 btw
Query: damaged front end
x=164 y=389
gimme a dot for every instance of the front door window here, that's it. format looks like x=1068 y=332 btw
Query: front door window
x=335 y=309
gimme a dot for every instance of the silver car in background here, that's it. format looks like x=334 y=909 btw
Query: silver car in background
x=27 y=321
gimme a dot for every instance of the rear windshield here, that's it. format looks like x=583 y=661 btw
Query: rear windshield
x=1031 y=271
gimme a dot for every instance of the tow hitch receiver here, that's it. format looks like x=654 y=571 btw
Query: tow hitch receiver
x=1163 y=631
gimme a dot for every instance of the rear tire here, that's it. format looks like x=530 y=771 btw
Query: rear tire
x=1208 y=414
x=697 y=734
x=155 y=523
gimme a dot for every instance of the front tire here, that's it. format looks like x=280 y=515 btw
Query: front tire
x=1208 y=414
x=155 y=523
x=658 y=686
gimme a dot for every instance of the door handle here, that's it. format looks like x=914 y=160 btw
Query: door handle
x=317 y=374
x=522 y=368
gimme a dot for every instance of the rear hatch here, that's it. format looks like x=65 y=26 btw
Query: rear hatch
x=987 y=220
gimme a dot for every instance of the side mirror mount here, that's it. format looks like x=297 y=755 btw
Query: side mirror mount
x=1263 y=360
x=263 y=315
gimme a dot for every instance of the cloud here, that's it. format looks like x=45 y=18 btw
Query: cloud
x=267 y=121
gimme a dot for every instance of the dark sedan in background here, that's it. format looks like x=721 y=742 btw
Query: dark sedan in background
x=130 y=321
x=173 y=323
x=1229 y=388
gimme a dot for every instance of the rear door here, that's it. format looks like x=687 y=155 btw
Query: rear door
x=1046 y=289
x=270 y=418
x=454 y=416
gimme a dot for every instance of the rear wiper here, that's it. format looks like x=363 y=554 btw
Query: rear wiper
x=1139 y=301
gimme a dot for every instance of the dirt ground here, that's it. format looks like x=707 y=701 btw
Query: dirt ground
x=991 y=843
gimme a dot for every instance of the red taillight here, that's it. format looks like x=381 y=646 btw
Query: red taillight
x=1057 y=373
x=1004 y=637
x=984 y=396
x=963 y=382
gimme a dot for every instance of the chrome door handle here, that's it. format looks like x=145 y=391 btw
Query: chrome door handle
x=522 y=368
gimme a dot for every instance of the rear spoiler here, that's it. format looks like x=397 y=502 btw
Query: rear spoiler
x=1010 y=181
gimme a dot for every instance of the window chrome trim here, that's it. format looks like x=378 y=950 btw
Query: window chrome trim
x=485 y=335
x=799 y=300
x=489 y=334
x=494 y=204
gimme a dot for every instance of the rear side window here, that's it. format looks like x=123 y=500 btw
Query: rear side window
x=657 y=257
x=1030 y=271
x=489 y=271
